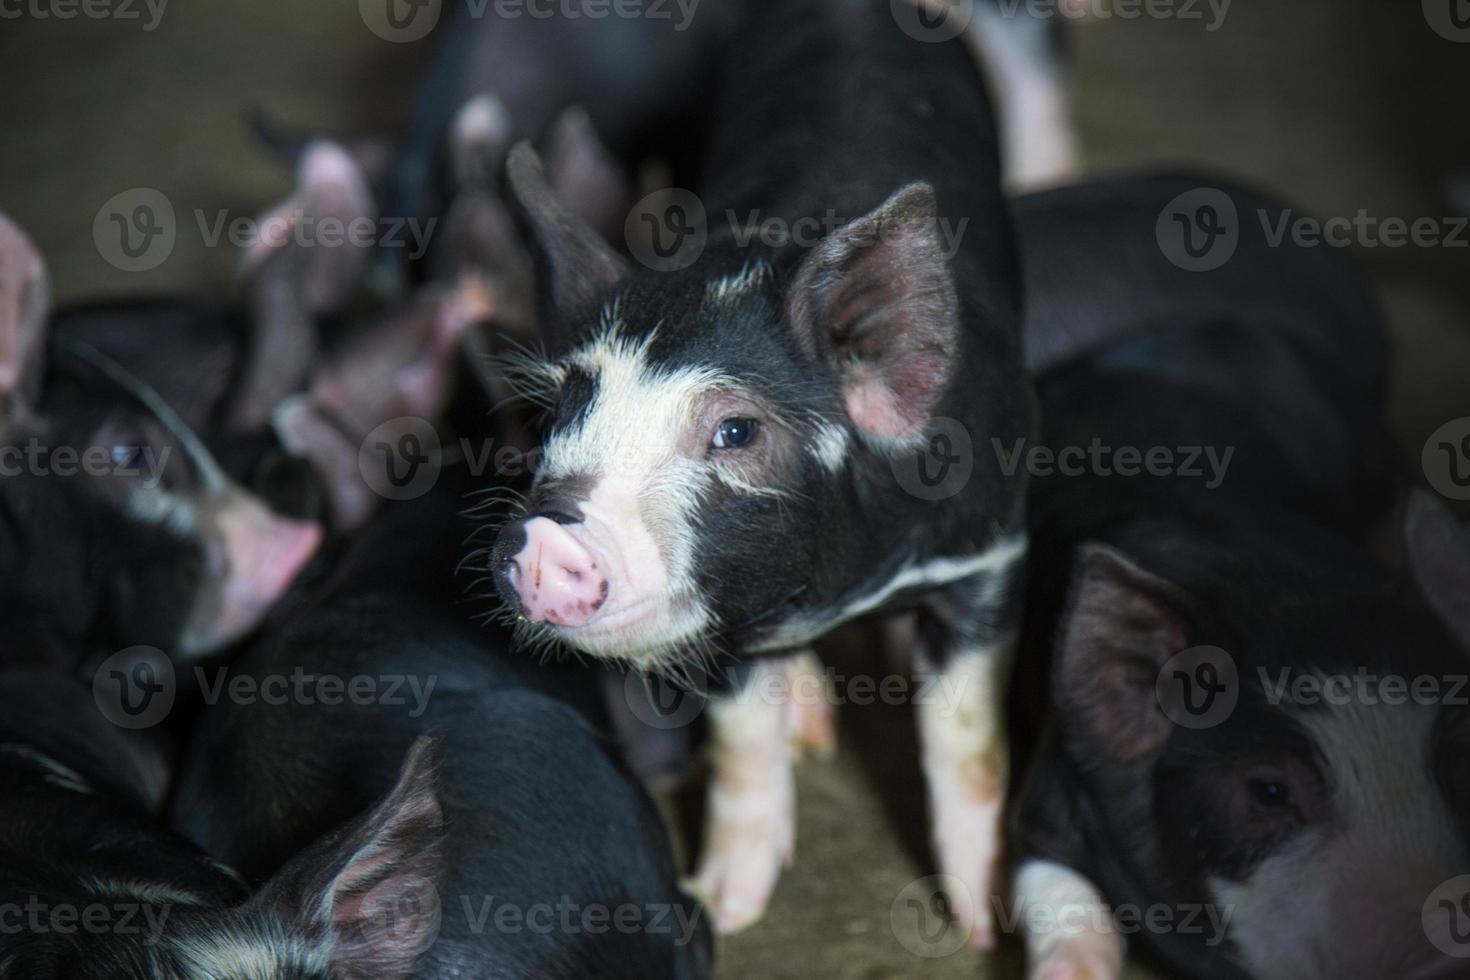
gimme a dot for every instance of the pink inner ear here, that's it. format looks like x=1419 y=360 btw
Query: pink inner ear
x=875 y=408
x=877 y=298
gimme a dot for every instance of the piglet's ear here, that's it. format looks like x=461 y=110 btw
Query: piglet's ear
x=586 y=175
x=1439 y=555
x=372 y=884
x=479 y=137
x=877 y=300
x=25 y=303
x=575 y=265
x=288 y=279
x=1121 y=625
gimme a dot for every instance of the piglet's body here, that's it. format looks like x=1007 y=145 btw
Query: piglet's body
x=95 y=889
x=544 y=825
x=1174 y=615
x=733 y=460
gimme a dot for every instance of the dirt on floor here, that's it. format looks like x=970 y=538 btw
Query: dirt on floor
x=1339 y=105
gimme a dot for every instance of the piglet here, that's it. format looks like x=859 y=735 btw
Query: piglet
x=119 y=526
x=557 y=863
x=1218 y=768
x=93 y=888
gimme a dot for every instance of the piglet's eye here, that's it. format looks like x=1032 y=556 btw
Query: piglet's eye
x=1271 y=793
x=734 y=434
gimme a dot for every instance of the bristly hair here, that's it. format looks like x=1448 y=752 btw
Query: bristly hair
x=532 y=376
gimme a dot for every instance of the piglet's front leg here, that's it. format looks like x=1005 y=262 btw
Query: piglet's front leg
x=968 y=649
x=1082 y=944
x=757 y=731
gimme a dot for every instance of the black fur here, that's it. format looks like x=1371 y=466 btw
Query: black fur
x=1280 y=363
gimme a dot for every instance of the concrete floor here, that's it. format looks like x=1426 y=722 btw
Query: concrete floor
x=1339 y=105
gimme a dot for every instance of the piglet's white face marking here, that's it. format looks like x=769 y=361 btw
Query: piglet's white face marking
x=1344 y=898
x=643 y=447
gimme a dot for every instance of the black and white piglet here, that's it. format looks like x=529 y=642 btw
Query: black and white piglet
x=1211 y=655
x=729 y=465
x=93 y=888
x=557 y=864
x=117 y=526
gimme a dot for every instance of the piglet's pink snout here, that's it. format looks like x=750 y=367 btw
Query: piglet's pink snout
x=556 y=576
